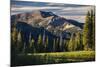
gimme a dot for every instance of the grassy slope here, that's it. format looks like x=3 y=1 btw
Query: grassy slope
x=75 y=54
x=57 y=57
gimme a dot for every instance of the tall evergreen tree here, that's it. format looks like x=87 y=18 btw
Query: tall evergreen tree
x=71 y=45
x=43 y=39
x=39 y=39
x=39 y=46
x=88 y=31
x=14 y=34
x=46 y=44
x=78 y=41
x=32 y=46
x=57 y=45
x=93 y=29
x=14 y=40
x=24 y=48
x=30 y=43
x=60 y=42
x=19 y=42
x=30 y=38
x=54 y=45
x=66 y=44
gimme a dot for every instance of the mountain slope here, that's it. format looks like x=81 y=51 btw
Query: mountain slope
x=52 y=23
x=48 y=20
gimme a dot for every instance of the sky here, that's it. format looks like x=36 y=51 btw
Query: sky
x=70 y=11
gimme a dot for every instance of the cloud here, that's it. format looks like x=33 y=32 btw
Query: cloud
x=57 y=8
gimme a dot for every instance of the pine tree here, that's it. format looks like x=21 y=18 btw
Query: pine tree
x=30 y=43
x=30 y=38
x=43 y=39
x=78 y=41
x=39 y=40
x=32 y=46
x=71 y=45
x=57 y=45
x=66 y=44
x=85 y=32
x=46 y=44
x=39 y=44
x=88 y=31
x=24 y=48
x=54 y=44
x=19 y=42
x=14 y=40
x=14 y=34
x=93 y=19
x=93 y=28
x=60 y=43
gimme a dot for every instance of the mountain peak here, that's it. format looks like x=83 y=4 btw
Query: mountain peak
x=48 y=20
x=47 y=14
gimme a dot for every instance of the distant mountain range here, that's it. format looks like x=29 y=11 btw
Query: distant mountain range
x=53 y=24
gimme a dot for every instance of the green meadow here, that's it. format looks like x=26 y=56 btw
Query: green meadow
x=54 y=58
